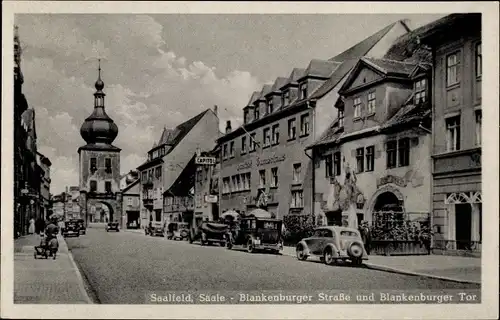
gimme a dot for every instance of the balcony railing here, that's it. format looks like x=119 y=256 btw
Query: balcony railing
x=147 y=182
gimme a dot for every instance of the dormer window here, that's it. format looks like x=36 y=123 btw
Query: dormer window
x=285 y=98
x=341 y=118
x=420 y=91
x=245 y=116
x=270 y=106
x=303 y=90
x=256 y=113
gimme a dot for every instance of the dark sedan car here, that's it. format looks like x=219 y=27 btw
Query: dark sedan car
x=71 y=228
x=81 y=225
x=112 y=226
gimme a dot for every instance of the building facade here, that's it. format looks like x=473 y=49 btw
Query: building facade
x=28 y=174
x=456 y=146
x=168 y=158
x=131 y=205
x=206 y=187
x=380 y=143
x=99 y=162
x=46 y=207
x=263 y=162
x=66 y=205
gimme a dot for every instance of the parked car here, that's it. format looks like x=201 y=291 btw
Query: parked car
x=178 y=231
x=113 y=226
x=156 y=229
x=210 y=233
x=71 y=228
x=332 y=244
x=81 y=225
x=255 y=233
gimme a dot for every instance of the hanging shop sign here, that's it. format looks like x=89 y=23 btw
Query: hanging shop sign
x=204 y=160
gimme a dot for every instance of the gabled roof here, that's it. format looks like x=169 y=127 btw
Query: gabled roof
x=278 y=83
x=349 y=58
x=180 y=132
x=321 y=68
x=391 y=67
x=255 y=96
x=296 y=74
x=386 y=68
x=168 y=136
x=265 y=90
x=185 y=180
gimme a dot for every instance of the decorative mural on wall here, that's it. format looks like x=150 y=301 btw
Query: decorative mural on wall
x=346 y=197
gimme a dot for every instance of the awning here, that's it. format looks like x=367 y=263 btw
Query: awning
x=230 y=213
x=260 y=213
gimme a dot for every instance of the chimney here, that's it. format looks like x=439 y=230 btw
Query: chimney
x=215 y=110
x=228 y=126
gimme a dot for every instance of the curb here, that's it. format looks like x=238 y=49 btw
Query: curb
x=378 y=267
x=417 y=274
x=78 y=275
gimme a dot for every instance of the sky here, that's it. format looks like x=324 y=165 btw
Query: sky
x=160 y=70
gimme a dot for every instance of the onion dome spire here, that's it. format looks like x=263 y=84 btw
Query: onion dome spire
x=99 y=127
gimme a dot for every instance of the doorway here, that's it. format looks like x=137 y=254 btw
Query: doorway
x=463 y=223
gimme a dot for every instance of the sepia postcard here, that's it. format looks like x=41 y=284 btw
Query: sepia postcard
x=250 y=160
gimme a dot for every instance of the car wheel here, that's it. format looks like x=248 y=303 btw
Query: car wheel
x=328 y=257
x=301 y=253
x=275 y=251
x=250 y=247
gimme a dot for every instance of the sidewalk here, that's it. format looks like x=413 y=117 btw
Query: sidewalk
x=46 y=281
x=451 y=268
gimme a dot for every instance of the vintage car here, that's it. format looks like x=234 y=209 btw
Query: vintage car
x=112 y=226
x=156 y=229
x=255 y=233
x=178 y=231
x=210 y=233
x=81 y=225
x=71 y=228
x=332 y=244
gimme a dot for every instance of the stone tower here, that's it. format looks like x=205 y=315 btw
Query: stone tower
x=99 y=162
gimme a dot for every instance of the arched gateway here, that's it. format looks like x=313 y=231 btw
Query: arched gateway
x=99 y=163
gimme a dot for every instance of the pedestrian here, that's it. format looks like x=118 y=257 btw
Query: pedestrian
x=61 y=225
x=31 y=228
x=364 y=230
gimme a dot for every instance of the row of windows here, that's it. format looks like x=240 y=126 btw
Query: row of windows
x=453 y=131
x=270 y=136
x=148 y=174
x=453 y=76
x=157 y=153
x=365 y=158
x=107 y=165
x=420 y=96
x=285 y=101
x=241 y=182
x=93 y=186
x=152 y=193
x=184 y=201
